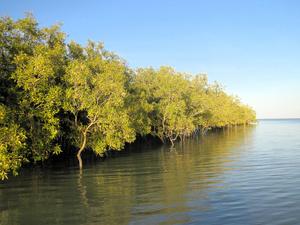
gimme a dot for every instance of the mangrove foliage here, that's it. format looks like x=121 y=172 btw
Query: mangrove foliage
x=55 y=94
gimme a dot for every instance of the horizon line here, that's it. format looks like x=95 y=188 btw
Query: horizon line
x=282 y=118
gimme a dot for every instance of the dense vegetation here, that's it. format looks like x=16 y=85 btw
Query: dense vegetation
x=55 y=94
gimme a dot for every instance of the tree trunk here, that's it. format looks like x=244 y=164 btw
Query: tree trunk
x=84 y=133
x=81 y=149
x=172 y=142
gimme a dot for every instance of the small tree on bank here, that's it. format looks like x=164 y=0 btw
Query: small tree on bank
x=95 y=95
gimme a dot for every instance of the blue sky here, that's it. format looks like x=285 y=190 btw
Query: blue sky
x=251 y=47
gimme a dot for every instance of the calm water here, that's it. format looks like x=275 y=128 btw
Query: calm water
x=246 y=175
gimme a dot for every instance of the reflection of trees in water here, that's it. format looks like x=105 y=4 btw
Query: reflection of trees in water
x=141 y=185
x=35 y=198
x=159 y=183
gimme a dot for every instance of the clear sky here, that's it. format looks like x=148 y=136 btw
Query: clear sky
x=252 y=47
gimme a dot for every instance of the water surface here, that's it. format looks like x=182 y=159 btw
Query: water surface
x=245 y=175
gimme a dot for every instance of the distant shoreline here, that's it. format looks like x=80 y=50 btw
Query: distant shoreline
x=279 y=119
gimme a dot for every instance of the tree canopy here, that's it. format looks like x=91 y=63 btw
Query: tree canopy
x=53 y=92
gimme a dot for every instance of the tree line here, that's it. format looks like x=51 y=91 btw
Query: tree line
x=55 y=93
